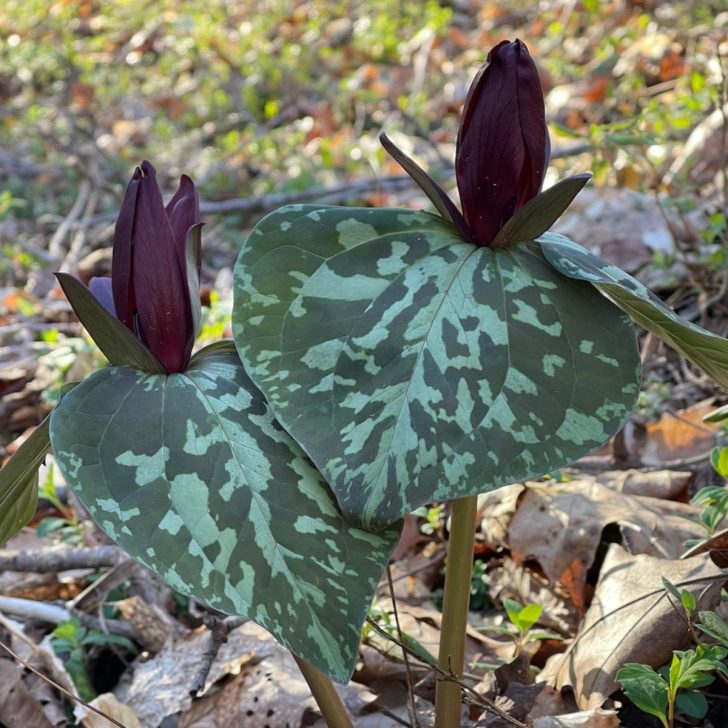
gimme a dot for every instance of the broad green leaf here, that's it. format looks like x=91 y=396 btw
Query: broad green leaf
x=192 y=476
x=413 y=366
x=719 y=461
x=692 y=703
x=709 y=351
x=541 y=212
x=117 y=343
x=645 y=688
x=19 y=482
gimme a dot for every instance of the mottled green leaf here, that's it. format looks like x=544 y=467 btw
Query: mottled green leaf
x=19 y=482
x=191 y=475
x=413 y=366
x=709 y=351
x=117 y=343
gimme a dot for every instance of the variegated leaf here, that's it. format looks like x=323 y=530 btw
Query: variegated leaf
x=191 y=475
x=709 y=351
x=413 y=366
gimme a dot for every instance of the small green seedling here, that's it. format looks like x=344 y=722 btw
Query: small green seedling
x=522 y=619
x=677 y=686
x=77 y=645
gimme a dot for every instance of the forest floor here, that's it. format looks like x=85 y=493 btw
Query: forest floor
x=284 y=103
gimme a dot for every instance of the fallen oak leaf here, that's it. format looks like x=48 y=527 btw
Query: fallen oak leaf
x=631 y=619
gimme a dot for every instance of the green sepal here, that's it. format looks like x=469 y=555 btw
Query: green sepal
x=413 y=366
x=540 y=213
x=717 y=415
x=439 y=198
x=117 y=343
x=19 y=482
x=193 y=476
x=705 y=349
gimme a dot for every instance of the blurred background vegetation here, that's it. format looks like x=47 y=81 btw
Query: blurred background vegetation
x=253 y=99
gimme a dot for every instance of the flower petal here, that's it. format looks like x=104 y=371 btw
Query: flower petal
x=121 y=257
x=100 y=286
x=160 y=279
x=183 y=211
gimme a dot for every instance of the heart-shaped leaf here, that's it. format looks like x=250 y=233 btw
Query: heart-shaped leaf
x=192 y=476
x=413 y=366
x=709 y=351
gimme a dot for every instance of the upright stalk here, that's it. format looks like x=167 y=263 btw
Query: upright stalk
x=325 y=695
x=458 y=571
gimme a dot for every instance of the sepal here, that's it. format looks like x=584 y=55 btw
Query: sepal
x=117 y=343
x=540 y=213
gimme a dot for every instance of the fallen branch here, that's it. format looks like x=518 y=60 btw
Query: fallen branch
x=61 y=558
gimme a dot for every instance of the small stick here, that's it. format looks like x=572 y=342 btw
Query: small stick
x=219 y=628
x=410 y=688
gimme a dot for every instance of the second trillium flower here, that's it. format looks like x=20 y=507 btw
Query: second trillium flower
x=502 y=149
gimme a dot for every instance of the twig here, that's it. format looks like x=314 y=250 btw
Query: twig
x=61 y=558
x=410 y=688
x=476 y=698
x=219 y=629
x=54 y=246
x=55 y=614
x=66 y=692
x=331 y=195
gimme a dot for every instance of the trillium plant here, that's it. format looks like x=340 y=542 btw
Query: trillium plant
x=382 y=359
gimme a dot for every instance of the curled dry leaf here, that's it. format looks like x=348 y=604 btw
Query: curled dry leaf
x=631 y=619
x=109 y=704
x=582 y=719
x=560 y=526
x=18 y=707
x=666 y=484
x=679 y=436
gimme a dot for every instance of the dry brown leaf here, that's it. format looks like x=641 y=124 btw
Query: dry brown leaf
x=514 y=581
x=160 y=686
x=272 y=692
x=631 y=619
x=666 y=484
x=680 y=435
x=583 y=719
x=560 y=526
x=496 y=508
x=109 y=704
x=17 y=707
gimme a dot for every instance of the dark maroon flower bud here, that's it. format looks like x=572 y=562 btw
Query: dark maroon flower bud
x=150 y=288
x=501 y=157
x=503 y=143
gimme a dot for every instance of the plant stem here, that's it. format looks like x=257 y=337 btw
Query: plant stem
x=458 y=572
x=325 y=694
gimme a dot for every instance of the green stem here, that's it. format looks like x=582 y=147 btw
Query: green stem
x=458 y=573
x=325 y=694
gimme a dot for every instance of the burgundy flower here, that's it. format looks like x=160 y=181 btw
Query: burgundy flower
x=502 y=147
x=149 y=289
